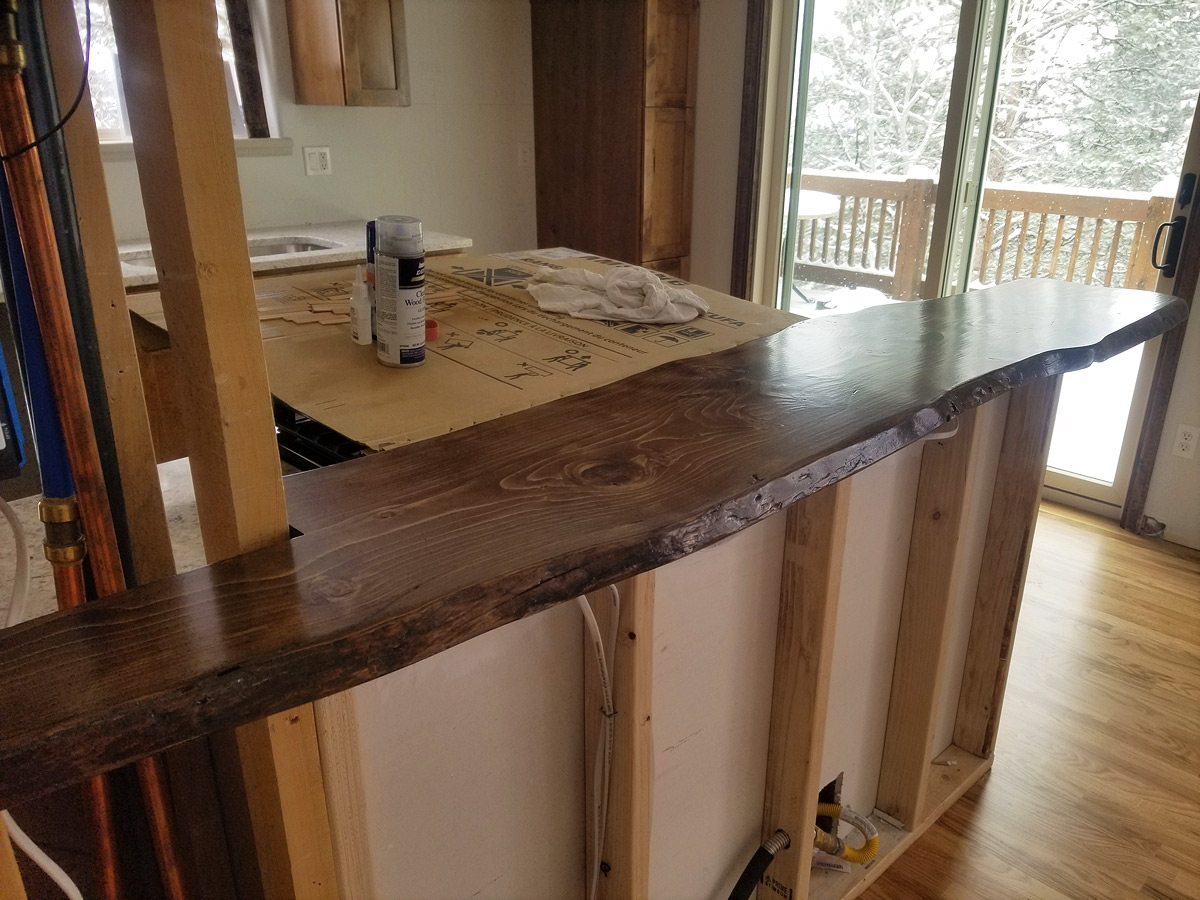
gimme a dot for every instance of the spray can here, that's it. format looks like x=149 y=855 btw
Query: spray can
x=371 y=272
x=399 y=291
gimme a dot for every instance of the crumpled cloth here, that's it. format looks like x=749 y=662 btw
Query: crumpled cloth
x=625 y=293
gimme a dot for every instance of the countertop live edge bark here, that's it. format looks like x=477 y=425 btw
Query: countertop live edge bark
x=408 y=553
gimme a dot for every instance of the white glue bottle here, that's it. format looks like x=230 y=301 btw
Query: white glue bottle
x=360 y=310
x=399 y=291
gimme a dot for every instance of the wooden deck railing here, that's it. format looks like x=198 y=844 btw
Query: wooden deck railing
x=880 y=235
x=876 y=239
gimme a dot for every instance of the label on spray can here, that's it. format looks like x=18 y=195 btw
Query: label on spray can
x=400 y=310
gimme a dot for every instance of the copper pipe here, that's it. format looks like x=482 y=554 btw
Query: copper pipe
x=98 y=800
x=36 y=229
x=155 y=797
x=65 y=549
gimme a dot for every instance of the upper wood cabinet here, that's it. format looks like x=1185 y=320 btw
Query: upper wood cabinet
x=614 y=95
x=349 y=52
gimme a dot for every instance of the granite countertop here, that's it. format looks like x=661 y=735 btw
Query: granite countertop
x=343 y=242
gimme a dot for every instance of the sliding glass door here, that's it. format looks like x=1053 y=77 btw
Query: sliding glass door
x=938 y=147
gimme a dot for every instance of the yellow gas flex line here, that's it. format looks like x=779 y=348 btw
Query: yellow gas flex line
x=835 y=846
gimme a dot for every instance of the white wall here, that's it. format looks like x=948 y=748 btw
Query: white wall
x=718 y=128
x=451 y=158
x=1175 y=486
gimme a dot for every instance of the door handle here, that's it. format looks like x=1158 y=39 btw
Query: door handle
x=1174 y=242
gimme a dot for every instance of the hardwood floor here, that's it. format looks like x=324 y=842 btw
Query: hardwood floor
x=1095 y=791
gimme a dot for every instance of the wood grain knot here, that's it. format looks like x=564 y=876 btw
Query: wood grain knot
x=607 y=472
x=323 y=587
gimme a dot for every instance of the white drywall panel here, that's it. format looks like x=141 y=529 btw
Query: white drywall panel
x=878 y=532
x=715 y=616
x=473 y=767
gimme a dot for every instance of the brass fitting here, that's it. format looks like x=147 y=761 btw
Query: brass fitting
x=64 y=544
x=12 y=54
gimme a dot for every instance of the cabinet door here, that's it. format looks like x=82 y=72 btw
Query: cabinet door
x=672 y=44
x=316 y=52
x=374 y=52
x=667 y=183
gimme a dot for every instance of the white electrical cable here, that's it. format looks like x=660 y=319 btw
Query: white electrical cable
x=16 y=614
x=35 y=853
x=604 y=745
x=20 y=591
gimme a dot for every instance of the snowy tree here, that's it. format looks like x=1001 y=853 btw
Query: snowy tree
x=1093 y=93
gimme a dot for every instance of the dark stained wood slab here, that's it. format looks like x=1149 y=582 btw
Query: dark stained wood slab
x=410 y=552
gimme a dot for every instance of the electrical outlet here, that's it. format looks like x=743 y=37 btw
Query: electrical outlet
x=1185 y=441
x=524 y=154
x=317 y=161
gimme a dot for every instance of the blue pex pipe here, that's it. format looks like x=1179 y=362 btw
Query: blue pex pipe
x=47 y=432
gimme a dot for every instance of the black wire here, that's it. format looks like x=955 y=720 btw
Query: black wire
x=83 y=83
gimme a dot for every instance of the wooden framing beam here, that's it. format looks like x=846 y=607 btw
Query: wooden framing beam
x=150 y=542
x=11 y=885
x=921 y=645
x=1009 y=538
x=183 y=141
x=626 y=850
x=814 y=540
x=203 y=850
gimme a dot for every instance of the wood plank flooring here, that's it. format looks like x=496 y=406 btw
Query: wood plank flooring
x=1095 y=791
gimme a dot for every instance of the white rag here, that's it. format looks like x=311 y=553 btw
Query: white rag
x=627 y=293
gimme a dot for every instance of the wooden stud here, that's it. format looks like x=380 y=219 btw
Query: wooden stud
x=345 y=797
x=922 y=642
x=146 y=518
x=812 y=569
x=1009 y=537
x=183 y=142
x=11 y=885
x=627 y=839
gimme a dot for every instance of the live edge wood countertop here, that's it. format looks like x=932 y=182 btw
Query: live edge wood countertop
x=407 y=553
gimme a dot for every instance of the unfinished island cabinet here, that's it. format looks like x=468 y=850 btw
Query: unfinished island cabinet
x=614 y=95
x=349 y=52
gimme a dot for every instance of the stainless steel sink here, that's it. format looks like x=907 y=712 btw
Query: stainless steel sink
x=288 y=245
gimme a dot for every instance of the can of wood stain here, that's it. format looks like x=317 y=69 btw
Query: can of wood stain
x=399 y=291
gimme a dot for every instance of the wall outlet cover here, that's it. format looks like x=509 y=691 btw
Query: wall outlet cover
x=317 y=161
x=1185 y=441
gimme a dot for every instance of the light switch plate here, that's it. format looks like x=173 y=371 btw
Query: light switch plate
x=317 y=161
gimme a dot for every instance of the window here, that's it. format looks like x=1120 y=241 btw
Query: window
x=247 y=110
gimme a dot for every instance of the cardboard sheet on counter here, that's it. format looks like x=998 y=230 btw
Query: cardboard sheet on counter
x=497 y=353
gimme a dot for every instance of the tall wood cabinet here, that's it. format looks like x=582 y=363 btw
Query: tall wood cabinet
x=614 y=95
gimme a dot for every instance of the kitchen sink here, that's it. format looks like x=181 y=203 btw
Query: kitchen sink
x=280 y=246
x=286 y=245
